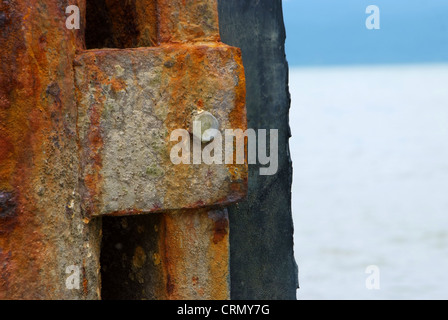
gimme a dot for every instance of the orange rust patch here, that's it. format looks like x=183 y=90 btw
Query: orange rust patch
x=183 y=21
x=191 y=257
x=85 y=285
x=92 y=180
x=118 y=85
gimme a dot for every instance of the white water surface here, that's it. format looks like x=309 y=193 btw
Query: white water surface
x=370 y=152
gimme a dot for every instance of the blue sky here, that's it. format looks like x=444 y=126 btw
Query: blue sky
x=332 y=32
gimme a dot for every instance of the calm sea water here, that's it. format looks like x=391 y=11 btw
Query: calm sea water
x=370 y=152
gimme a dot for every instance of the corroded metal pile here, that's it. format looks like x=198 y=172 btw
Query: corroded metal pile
x=85 y=133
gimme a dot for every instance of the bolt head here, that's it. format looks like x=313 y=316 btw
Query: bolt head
x=207 y=121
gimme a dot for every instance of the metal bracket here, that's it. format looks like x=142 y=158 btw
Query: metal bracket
x=129 y=103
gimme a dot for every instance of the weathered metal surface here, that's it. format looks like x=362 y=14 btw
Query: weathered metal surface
x=181 y=254
x=130 y=101
x=42 y=231
x=188 y=20
x=196 y=260
x=144 y=23
x=178 y=255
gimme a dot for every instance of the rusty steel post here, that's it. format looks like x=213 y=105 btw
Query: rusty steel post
x=195 y=244
x=43 y=234
x=178 y=255
x=183 y=254
x=76 y=147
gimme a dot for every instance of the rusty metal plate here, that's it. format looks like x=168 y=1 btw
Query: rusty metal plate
x=129 y=103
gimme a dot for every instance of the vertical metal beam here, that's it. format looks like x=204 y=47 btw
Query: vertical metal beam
x=176 y=255
x=195 y=247
x=179 y=255
x=42 y=230
x=194 y=244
